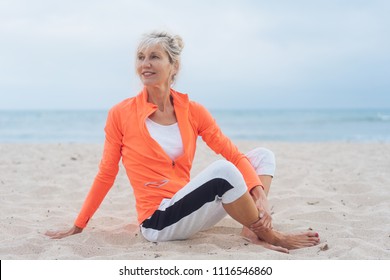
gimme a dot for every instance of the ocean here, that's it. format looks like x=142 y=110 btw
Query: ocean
x=356 y=125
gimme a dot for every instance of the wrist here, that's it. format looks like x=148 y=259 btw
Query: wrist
x=77 y=229
x=257 y=192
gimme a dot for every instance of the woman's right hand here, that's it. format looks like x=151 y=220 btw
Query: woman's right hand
x=61 y=234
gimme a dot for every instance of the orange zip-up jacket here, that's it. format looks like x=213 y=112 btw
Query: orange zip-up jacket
x=152 y=173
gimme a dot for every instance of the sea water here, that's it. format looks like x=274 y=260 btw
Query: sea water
x=261 y=125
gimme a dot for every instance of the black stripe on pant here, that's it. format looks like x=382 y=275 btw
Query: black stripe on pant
x=188 y=204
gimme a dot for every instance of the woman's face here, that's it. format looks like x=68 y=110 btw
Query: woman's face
x=153 y=66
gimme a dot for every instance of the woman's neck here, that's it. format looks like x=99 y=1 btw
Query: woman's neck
x=160 y=97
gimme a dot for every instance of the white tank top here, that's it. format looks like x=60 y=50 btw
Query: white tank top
x=168 y=136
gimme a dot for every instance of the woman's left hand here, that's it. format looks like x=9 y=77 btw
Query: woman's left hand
x=265 y=219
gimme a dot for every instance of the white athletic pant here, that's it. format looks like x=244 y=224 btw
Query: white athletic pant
x=198 y=205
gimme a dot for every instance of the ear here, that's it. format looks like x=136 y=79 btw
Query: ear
x=176 y=67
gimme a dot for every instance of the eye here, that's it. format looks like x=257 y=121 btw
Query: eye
x=141 y=57
x=155 y=56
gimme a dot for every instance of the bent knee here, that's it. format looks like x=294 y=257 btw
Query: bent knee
x=266 y=155
x=226 y=170
x=263 y=161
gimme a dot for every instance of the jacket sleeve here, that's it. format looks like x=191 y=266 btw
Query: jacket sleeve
x=108 y=169
x=221 y=144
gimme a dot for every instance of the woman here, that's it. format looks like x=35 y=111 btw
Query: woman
x=155 y=135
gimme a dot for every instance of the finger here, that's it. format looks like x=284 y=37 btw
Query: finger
x=57 y=234
x=257 y=224
x=50 y=233
x=261 y=225
x=261 y=215
x=259 y=229
x=268 y=222
x=263 y=219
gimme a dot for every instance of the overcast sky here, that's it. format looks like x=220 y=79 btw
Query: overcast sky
x=238 y=54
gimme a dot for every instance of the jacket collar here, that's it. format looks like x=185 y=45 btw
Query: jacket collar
x=145 y=108
x=181 y=105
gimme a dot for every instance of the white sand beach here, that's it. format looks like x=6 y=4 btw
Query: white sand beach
x=341 y=190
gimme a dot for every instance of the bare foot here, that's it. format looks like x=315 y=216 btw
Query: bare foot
x=287 y=241
x=296 y=241
x=250 y=236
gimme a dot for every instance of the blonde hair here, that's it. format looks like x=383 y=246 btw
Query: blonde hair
x=172 y=44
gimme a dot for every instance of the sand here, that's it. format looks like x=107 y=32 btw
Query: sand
x=341 y=190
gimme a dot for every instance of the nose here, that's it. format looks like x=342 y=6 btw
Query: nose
x=146 y=63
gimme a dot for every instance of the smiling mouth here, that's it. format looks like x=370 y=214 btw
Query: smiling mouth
x=148 y=73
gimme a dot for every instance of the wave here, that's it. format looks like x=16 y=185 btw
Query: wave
x=280 y=125
x=383 y=117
